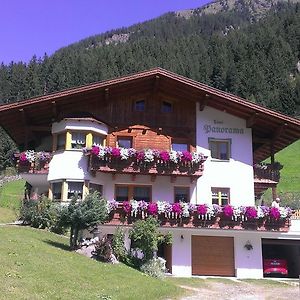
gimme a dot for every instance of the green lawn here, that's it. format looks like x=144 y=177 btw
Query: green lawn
x=290 y=174
x=11 y=194
x=36 y=264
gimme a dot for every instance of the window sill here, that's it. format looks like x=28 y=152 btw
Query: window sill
x=219 y=160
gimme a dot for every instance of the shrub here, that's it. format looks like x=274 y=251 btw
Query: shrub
x=118 y=245
x=41 y=213
x=154 y=267
x=82 y=214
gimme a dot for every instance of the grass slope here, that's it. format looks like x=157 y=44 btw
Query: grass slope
x=290 y=174
x=36 y=264
x=11 y=194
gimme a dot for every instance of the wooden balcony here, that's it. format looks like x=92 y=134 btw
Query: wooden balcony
x=158 y=167
x=36 y=165
x=119 y=218
x=266 y=176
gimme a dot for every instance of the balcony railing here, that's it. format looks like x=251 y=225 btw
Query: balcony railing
x=33 y=162
x=267 y=171
x=201 y=216
x=148 y=162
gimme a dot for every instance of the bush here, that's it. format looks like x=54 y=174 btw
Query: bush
x=42 y=213
x=154 y=267
x=118 y=245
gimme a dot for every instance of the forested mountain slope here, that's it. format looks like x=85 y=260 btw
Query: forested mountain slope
x=240 y=48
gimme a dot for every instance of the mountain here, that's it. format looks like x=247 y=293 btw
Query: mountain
x=247 y=47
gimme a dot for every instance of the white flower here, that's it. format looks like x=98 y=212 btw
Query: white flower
x=30 y=155
x=210 y=210
x=102 y=152
x=185 y=209
x=237 y=211
x=173 y=156
x=161 y=206
x=134 y=205
x=124 y=153
x=260 y=213
x=149 y=156
x=196 y=157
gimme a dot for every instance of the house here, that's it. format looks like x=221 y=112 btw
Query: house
x=208 y=145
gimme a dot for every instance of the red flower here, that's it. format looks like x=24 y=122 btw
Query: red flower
x=176 y=208
x=152 y=209
x=95 y=150
x=228 y=211
x=116 y=152
x=23 y=157
x=202 y=209
x=274 y=213
x=127 y=207
x=164 y=156
x=186 y=156
x=140 y=155
x=251 y=212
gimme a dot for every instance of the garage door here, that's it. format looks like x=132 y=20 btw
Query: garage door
x=212 y=255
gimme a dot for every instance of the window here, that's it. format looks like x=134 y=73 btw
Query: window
x=124 y=142
x=75 y=188
x=179 y=147
x=98 y=140
x=181 y=194
x=220 y=196
x=166 y=107
x=220 y=149
x=96 y=187
x=61 y=141
x=139 y=105
x=78 y=140
x=56 y=190
x=137 y=192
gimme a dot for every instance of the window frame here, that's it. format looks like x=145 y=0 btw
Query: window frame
x=96 y=184
x=130 y=188
x=219 y=191
x=187 y=188
x=163 y=108
x=218 y=143
x=136 y=107
x=68 y=186
x=124 y=137
x=63 y=146
x=52 y=190
x=100 y=136
x=81 y=145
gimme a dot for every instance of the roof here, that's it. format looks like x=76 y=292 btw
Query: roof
x=270 y=129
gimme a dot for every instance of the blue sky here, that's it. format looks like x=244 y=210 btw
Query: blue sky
x=29 y=27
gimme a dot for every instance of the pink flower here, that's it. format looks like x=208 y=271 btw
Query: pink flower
x=274 y=213
x=140 y=155
x=176 y=208
x=251 y=212
x=202 y=209
x=127 y=207
x=152 y=209
x=116 y=152
x=164 y=156
x=228 y=211
x=186 y=156
x=95 y=150
x=23 y=157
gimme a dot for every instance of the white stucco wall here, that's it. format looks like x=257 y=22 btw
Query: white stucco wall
x=237 y=173
x=162 y=187
x=69 y=164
